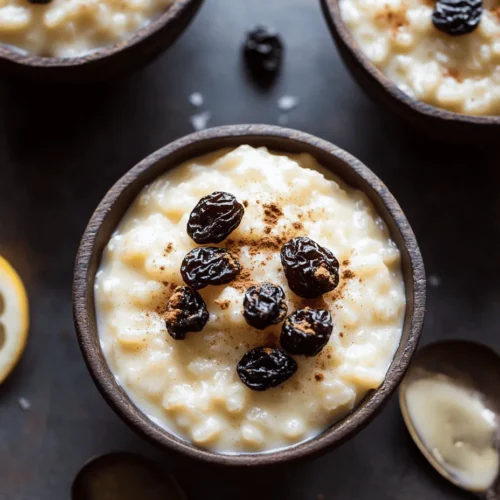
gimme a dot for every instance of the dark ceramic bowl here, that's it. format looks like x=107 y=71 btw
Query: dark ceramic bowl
x=111 y=210
x=109 y=61
x=434 y=121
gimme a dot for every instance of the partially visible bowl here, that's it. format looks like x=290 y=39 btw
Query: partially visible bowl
x=113 y=207
x=106 y=62
x=430 y=119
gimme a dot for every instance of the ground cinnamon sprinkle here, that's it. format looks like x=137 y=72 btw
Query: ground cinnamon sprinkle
x=255 y=246
x=346 y=262
x=305 y=327
x=168 y=248
x=319 y=376
x=298 y=226
x=245 y=203
x=223 y=304
x=272 y=213
x=173 y=311
x=348 y=274
x=242 y=281
x=395 y=19
x=455 y=74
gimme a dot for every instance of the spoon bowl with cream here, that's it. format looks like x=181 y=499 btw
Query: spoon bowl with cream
x=450 y=400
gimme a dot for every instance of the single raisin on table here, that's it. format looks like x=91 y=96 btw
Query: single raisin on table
x=186 y=312
x=264 y=305
x=457 y=17
x=204 y=266
x=265 y=367
x=214 y=218
x=306 y=331
x=310 y=269
x=263 y=51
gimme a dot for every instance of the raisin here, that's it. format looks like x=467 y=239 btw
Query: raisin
x=214 y=218
x=264 y=305
x=310 y=269
x=306 y=331
x=186 y=312
x=263 y=51
x=457 y=17
x=39 y=1
x=265 y=367
x=204 y=266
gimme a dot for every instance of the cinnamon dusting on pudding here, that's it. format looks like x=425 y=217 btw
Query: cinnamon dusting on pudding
x=394 y=18
x=243 y=281
x=348 y=274
x=168 y=249
x=455 y=74
x=272 y=213
x=223 y=304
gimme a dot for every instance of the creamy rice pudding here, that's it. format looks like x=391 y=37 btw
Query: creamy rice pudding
x=71 y=28
x=209 y=383
x=460 y=73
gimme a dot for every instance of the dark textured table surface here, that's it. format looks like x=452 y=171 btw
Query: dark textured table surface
x=61 y=149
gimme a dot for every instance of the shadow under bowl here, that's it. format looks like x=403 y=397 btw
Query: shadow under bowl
x=434 y=121
x=107 y=62
x=118 y=199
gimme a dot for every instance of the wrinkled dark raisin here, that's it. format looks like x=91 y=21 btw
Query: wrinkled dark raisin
x=186 y=312
x=265 y=367
x=264 y=305
x=39 y=1
x=457 y=17
x=306 y=331
x=214 y=218
x=204 y=266
x=310 y=269
x=263 y=50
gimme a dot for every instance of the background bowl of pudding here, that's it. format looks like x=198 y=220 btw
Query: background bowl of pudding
x=455 y=103
x=78 y=42
x=111 y=211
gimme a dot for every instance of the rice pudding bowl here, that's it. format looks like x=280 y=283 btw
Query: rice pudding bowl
x=72 y=28
x=202 y=386
x=460 y=72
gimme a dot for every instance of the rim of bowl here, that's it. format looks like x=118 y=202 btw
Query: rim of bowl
x=331 y=9
x=83 y=296
x=19 y=56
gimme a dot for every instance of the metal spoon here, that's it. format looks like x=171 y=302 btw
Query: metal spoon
x=124 y=476
x=467 y=365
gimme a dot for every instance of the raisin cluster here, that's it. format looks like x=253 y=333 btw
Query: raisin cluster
x=310 y=269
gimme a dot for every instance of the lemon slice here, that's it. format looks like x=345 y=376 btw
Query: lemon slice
x=14 y=318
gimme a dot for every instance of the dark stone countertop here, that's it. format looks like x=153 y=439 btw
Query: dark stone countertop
x=62 y=148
